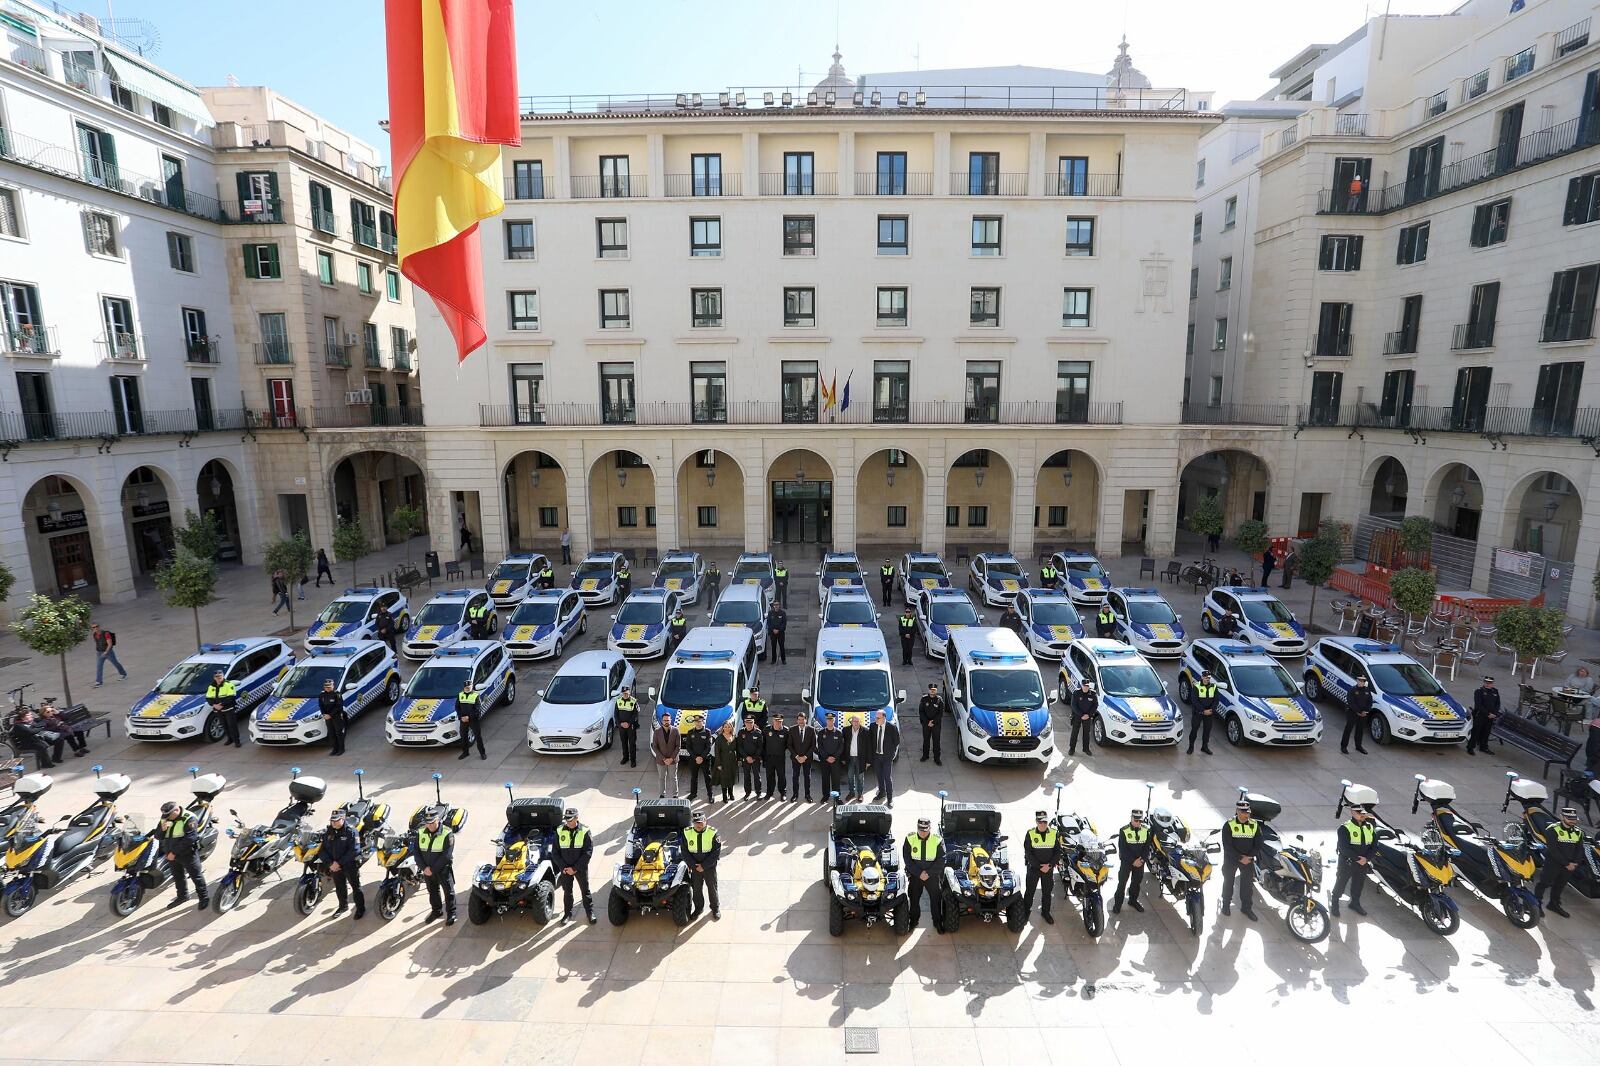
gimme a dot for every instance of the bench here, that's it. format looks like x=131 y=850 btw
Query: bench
x=77 y=716
x=1537 y=740
x=407 y=578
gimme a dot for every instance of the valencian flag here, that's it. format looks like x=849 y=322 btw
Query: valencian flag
x=452 y=104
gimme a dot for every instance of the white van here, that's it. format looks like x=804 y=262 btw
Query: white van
x=707 y=677
x=850 y=678
x=992 y=686
x=745 y=605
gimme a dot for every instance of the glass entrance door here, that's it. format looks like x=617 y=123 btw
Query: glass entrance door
x=802 y=512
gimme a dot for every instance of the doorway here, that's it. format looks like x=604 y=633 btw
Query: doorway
x=802 y=512
x=73 y=560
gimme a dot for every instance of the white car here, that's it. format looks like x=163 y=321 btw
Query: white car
x=1257 y=699
x=1147 y=621
x=176 y=709
x=941 y=612
x=839 y=570
x=1408 y=702
x=515 y=577
x=993 y=688
x=1082 y=577
x=425 y=715
x=996 y=577
x=848 y=606
x=364 y=671
x=753 y=567
x=1134 y=706
x=354 y=616
x=595 y=577
x=920 y=571
x=1050 y=622
x=745 y=605
x=443 y=621
x=682 y=572
x=576 y=711
x=640 y=629
x=1264 y=620
x=544 y=624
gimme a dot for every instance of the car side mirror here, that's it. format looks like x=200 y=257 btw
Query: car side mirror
x=1051 y=698
x=805 y=694
x=613 y=618
x=540 y=694
x=650 y=692
x=351 y=687
x=900 y=697
x=983 y=620
x=955 y=694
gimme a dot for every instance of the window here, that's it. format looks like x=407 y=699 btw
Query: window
x=977 y=517
x=1404 y=340
x=549 y=517
x=1471 y=399
x=705 y=173
x=10 y=213
x=1413 y=244
x=614 y=176
x=332 y=351
x=205 y=418
x=162 y=114
x=799 y=307
x=1555 y=399
x=894 y=235
x=891 y=173
x=984 y=307
x=274 y=346
x=1214 y=397
x=400 y=341
x=1326 y=389
x=261 y=261
x=628 y=517
x=799 y=235
x=125 y=404
x=1230 y=212
x=705 y=237
x=983 y=392
x=519 y=239
x=1490 y=222
x=180 y=252
x=97 y=157
x=799 y=174
x=1072 y=175
x=364 y=277
x=527 y=179
x=614 y=309
x=527 y=390
x=706 y=517
x=122 y=96
x=1481 y=310
x=363 y=223
x=1339 y=252
x=1200 y=173
x=117 y=315
x=616 y=393
x=612 y=236
x=1075 y=308
x=1583 y=200
x=523 y=307
x=324 y=266
x=1219 y=335
x=1333 y=328
x=1189 y=345
x=799 y=391
x=1569 y=316
x=100 y=231
x=985 y=235
x=371 y=351
x=891 y=390
x=1225 y=273
x=895 y=517
x=650 y=517
x=1424 y=164
x=1197 y=223
x=1056 y=516
x=196 y=340
x=952 y=517
x=708 y=391
x=983 y=173
x=1080 y=236
x=1072 y=391
x=1398 y=389
x=705 y=308
x=892 y=307
x=323 y=219
x=1194 y=282
x=391 y=284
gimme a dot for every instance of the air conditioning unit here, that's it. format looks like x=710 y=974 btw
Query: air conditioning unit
x=351 y=338
x=358 y=396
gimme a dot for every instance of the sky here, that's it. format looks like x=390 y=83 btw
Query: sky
x=328 y=55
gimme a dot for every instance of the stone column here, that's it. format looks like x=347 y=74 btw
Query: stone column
x=1581 y=597
x=575 y=464
x=754 y=465
x=1024 y=494
x=935 y=479
x=1161 y=532
x=843 y=462
x=666 y=483
x=1108 y=525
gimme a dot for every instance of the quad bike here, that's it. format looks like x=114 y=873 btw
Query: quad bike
x=1289 y=873
x=653 y=876
x=138 y=856
x=1499 y=868
x=397 y=852
x=260 y=852
x=1538 y=822
x=521 y=877
x=367 y=817
x=861 y=869
x=1083 y=866
x=39 y=859
x=1179 y=866
x=1416 y=872
x=977 y=878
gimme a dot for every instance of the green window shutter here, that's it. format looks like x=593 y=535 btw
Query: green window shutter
x=251 y=267
x=272 y=270
x=242 y=183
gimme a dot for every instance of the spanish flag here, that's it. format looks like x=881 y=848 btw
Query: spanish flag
x=452 y=104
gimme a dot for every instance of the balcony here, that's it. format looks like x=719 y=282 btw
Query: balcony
x=777 y=413
x=907 y=184
x=366 y=415
x=1400 y=342
x=1567 y=326
x=820 y=183
x=251 y=212
x=527 y=188
x=597 y=187
x=71 y=163
x=1475 y=86
x=704 y=184
x=1330 y=346
x=50 y=426
x=1350 y=125
x=372 y=355
x=38 y=342
x=324 y=221
x=121 y=348
x=1470 y=336
x=965 y=183
x=1519 y=64
x=274 y=353
x=364 y=234
x=335 y=355
x=204 y=350
x=1545 y=422
x=1572 y=38
x=402 y=359
x=1236 y=414
x=388 y=243
x=1437 y=103
x=1084 y=184
x=618 y=414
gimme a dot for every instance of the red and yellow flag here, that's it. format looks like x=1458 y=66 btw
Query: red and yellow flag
x=452 y=104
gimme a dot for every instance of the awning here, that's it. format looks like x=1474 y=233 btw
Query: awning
x=153 y=85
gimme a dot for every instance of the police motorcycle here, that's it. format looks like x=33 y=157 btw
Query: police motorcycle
x=521 y=877
x=1179 y=865
x=653 y=874
x=977 y=878
x=1289 y=873
x=1083 y=865
x=138 y=856
x=1416 y=872
x=263 y=850
x=861 y=869
x=1540 y=824
x=397 y=851
x=39 y=859
x=1499 y=868
x=368 y=818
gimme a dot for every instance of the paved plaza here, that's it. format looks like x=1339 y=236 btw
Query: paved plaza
x=766 y=984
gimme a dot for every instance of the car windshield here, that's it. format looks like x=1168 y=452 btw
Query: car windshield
x=345 y=611
x=517 y=572
x=954 y=613
x=1134 y=679
x=1264 y=679
x=1086 y=568
x=853 y=690
x=641 y=613
x=534 y=613
x=927 y=571
x=594 y=568
x=441 y=614
x=841 y=611
x=696 y=688
x=187 y=679
x=1007 y=690
x=1009 y=567
x=677 y=568
x=576 y=688
x=1404 y=679
x=1266 y=611
x=1150 y=611
x=437 y=682
x=307 y=679
x=737 y=611
x=839 y=568
x=744 y=571
x=1055 y=613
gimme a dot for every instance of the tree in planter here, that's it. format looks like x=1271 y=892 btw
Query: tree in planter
x=189 y=580
x=1413 y=590
x=1251 y=538
x=54 y=627
x=7 y=580
x=405 y=523
x=1206 y=518
x=350 y=543
x=1416 y=536
x=200 y=534
x=1317 y=559
x=294 y=557
x=1530 y=631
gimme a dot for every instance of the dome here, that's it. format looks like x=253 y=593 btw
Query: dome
x=837 y=80
x=1123 y=74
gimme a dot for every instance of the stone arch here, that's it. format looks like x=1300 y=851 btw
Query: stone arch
x=1067 y=491
x=1543 y=512
x=1454 y=499
x=531 y=483
x=981 y=478
x=152 y=506
x=622 y=500
x=711 y=478
x=368 y=482
x=799 y=500
x=1239 y=476
x=82 y=562
x=1387 y=485
x=891 y=488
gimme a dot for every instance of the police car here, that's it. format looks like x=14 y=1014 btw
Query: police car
x=639 y=629
x=364 y=671
x=850 y=679
x=1134 y=705
x=1257 y=699
x=443 y=621
x=1049 y=622
x=746 y=606
x=993 y=687
x=941 y=612
x=682 y=572
x=1263 y=619
x=1082 y=577
x=177 y=709
x=515 y=577
x=1147 y=621
x=753 y=568
x=919 y=571
x=839 y=570
x=544 y=623
x=353 y=616
x=848 y=606
x=711 y=671
x=595 y=577
x=425 y=715
x=576 y=712
x=1408 y=702
x=996 y=577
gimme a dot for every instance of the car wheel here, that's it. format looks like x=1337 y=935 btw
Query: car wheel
x=1062 y=695
x=1235 y=730
x=611 y=737
x=215 y=728
x=583 y=624
x=556 y=653
x=1205 y=622
x=1098 y=728
x=477 y=909
x=405 y=622
x=1313 y=686
x=616 y=909
x=511 y=690
x=1185 y=690
x=391 y=691
x=1379 y=728
x=835 y=917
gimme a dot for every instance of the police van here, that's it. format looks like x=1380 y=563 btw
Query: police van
x=639 y=629
x=425 y=715
x=849 y=606
x=543 y=624
x=1257 y=699
x=354 y=616
x=992 y=686
x=682 y=572
x=515 y=577
x=177 y=708
x=444 y=620
x=1134 y=706
x=941 y=612
x=850 y=678
x=746 y=606
x=1408 y=703
x=365 y=672
x=706 y=676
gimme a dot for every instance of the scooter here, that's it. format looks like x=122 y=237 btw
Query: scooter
x=1181 y=868
x=1083 y=866
x=1289 y=873
x=1537 y=821
x=39 y=859
x=1499 y=868
x=1416 y=872
x=367 y=817
x=397 y=852
x=262 y=851
x=138 y=856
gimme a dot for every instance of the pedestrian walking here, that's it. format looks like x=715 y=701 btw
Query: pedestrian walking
x=665 y=747
x=574 y=848
x=777 y=626
x=830 y=753
x=1041 y=854
x=1485 y=712
x=342 y=853
x=725 y=759
x=466 y=537
x=774 y=746
x=105 y=651
x=330 y=701
x=566 y=547
x=280 y=592
x=471 y=723
x=626 y=714
x=323 y=567
x=750 y=746
x=1085 y=707
x=436 y=852
x=930 y=712
x=177 y=837
x=223 y=697
x=802 y=740
x=1358 y=709
x=885 y=744
x=704 y=848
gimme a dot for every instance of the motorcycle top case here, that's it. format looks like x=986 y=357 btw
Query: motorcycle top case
x=1263 y=808
x=662 y=814
x=980 y=818
x=308 y=789
x=454 y=818
x=534 y=812
x=863 y=819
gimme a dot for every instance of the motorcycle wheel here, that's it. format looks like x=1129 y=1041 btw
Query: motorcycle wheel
x=680 y=909
x=1197 y=913
x=902 y=918
x=19 y=896
x=125 y=899
x=616 y=909
x=477 y=909
x=306 y=895
x=544 y=902
x=1521 y=910
x=1308 y=921
x=835 y=917
x=1440 y=917
x=1094 y=914
x=391 y=897
x=227 y=896
x=1016 y=916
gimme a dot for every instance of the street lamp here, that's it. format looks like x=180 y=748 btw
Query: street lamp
x=1066 y=474
x=216 y=486
x=711 y=478
x=889 y=476
x=533 y=475
x=800 y=476
x=1458 y=496
x=977 y=477
x=1550 y=509
x=622 y=478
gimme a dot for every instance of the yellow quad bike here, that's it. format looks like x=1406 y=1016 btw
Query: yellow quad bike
x=521 y=877
x=38 y=859
x=654 y=875
x=861 y=868
x=397 y=852
x=138 y=858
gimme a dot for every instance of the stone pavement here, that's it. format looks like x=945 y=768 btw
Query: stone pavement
x=766 y=984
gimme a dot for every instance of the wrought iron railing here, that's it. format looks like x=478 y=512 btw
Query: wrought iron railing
x=1572 y=38
x=617 y=187
x=816 y=183
x=726 y=184
x=1083 y=184
x=987 y=183
x=1471 y=335
x=906 y=183
x=1491 y=421
x=1236 y=414
x=30 y=340
x=777 y=412
x=274 y=353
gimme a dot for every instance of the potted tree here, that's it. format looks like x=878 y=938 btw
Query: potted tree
x=1413 y=590
x=1317 y=560
x=1206 y=519
x=54 y=627
x=1416 y=537
x=294 y=557
x=1531 y=632
x=405 y=523
x=350 y=543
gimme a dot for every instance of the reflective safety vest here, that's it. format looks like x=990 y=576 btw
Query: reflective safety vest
x=781 y=573
x=1567 y=836
x=226 y=690
x=468 y=697
x=1205 y=691
x=699 y=841
x=430 y=843
x=179 y=828
x=624 y=574
x=1047 y=574
x=627 y=703
x=679 y=621
x=923 y=850
x=1106 y=616
x=1136 y=836
x=886 y=571
x=571 y=838
x=477 y=610
x=908 y=622
x=755 y=706
x=1047 y=839
x=1237 y=828
x=547 y=574
x=1360 y=833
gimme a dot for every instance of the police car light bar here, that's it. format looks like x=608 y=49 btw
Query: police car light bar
x=997 y=657
x=456 y=649
x=1374 y=649
x=1237 y=649
x=713 y=655
x=334 y=649
x=852 y=657
x=1122 y=652
x=1142 y=592
x=363 y=591
x=206 y=649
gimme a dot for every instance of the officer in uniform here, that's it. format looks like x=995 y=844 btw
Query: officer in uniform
x=780 y=574
x=1048 y=574
x=697 y=749
x=703 y=847
x=342 y=853
x=547 y=576
x=1105 y=622
x=908 y=634
x=624 y=580
x=713 y=579
x=467 y=715
x=478 y=620
x=678 y=627
x=751 y=747
x=930 y=712
x=1041 y=851
x=1356 y=848
x=436 y=847
x=330 y=701
x=1358 y=708
x=383 y=626
x=1239 y=836
x=777 y=629
x=755 y=707
x=886 y=580
x=1133 y=850
x=571 y=857
x=1205 y=712
x=1565 y=853
x=175 y=835
x=627 y=715
x=1228 y=626
x=830 y=753
x=1085 y=705
x=922 y=855
x=774 y=743
x=1485 y=709
x=223 y=696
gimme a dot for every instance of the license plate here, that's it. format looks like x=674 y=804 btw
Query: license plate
x=147 y=732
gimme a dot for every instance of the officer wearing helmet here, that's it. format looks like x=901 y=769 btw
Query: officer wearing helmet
x=1561 y=862
x=1133 y=849
x=175 y=834
x=574 y=847
x=704 y=848
x=1239 y=837
x=1357 y=845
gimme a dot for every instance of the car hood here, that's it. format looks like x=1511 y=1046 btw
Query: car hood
x=676 y=583
x=1068 y=632
x=433 y=632
x=838 y=581
x=507 y=586
x=1282 y=708
x=420 y=711
x=1012 y=723
x=648 y=631
x=155 y=705
x=1158 y=630
x=287 y=709
x=1143 y=708
x=574 y=717
x=322 y=630
x=944 y=629
x=1007 y=583
x=529 y=632
x=1440 y=708
x=930 y=582
x=1085 y=582
x=588 y=584
x=1279 y=630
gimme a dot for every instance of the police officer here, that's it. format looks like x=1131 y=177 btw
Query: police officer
x=627 y=715
x=341 y=851
x=624 y=579
x=1485 y=710
x=547 y=576
x=713 y=579
x=908 y=634
x=780 y=575
x=703 y=847
x=223 y=696
x=830 y=753
x=1085 y=706
x=1205 y=711
x=923 y=858
x=383 y=626
x=1105 y=622
x=1228 y=626
x=175 y=836
x=774 y=743
x=930 y=712
x=436 y=846
x=777 y=627
x=1041 y=851
x=1566 y=852
x=1133 y=850
x=467 y=715
x=697 y=750
x=678 y=626
x=1356 y=848
x=886 y=580
x=754 y=706
x=571 y=857
x=1011 y=619
x=330 y=701
x=1238 y=855
x=1048 y=574
x=478 y=620
x=1358 y=708
x=750 y=745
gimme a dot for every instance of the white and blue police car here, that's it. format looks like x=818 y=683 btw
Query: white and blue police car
x=941 y=613
x=920 y=571
x=848 y=606
x=425 y=715
x=1258 y=701
x=839 y=570
x=177 y=709
x=1408 y=702
x=1082 y=577
x=1147 y=621
x=1264 y=621
x=1050 y=622
x=996 y=577
x=544 y=623
x=515 y=577
x=1134 y=707
x=595 y=577
x=639 y=629
x=993 y=687
x=443 y=621
x=682 y=572
x=365 y=672
x=753 y=568
x=354 y=615
x=706 y=676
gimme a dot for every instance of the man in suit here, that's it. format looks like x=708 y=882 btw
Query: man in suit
x=802 y=741
x=884 y=742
